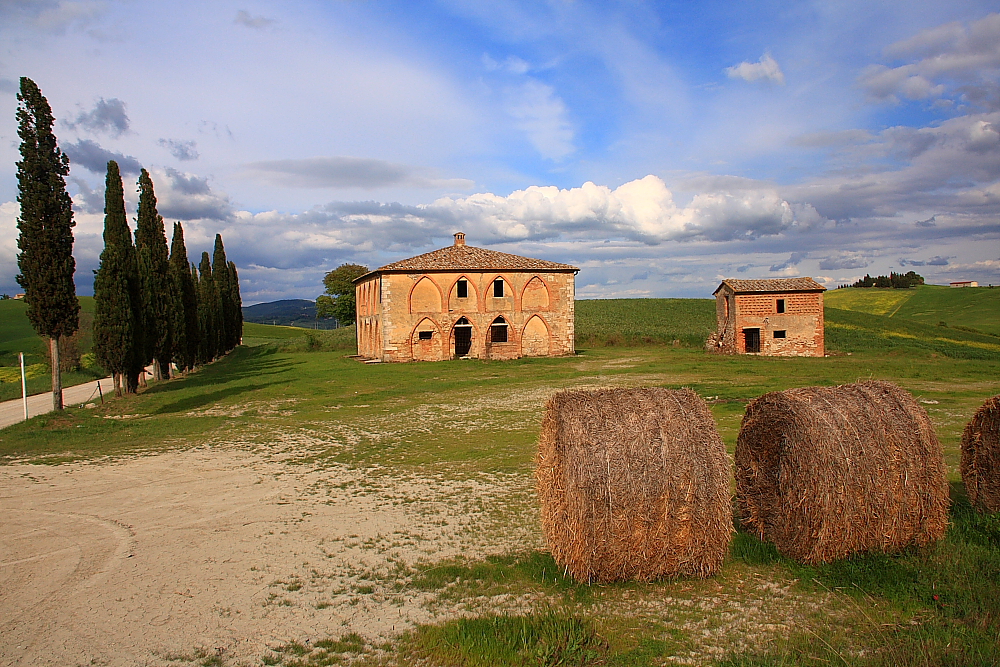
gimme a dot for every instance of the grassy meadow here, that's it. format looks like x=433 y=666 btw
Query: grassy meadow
x=466 y=419
x=970 y=308
x=16 y=335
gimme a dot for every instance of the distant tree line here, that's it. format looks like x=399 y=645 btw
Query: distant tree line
x=894 y=280
x=153 y=307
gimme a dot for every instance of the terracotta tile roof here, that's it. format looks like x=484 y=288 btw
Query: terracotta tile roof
x=470 y=258
x=772 y=285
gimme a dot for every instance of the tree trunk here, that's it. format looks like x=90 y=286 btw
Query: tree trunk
x=57 y=397
x=118 y=385
x=157 y=371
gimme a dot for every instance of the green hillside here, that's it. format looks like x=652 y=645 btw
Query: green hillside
x=856 y=331
x=17 y=335
x=603 y=322
x=974 y=308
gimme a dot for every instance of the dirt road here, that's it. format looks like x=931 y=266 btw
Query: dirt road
x=12 y=412
x=161 y=559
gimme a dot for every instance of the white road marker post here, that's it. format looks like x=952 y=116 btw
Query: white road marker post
x=24 y=388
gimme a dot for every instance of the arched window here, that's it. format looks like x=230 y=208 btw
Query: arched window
x=498 y=331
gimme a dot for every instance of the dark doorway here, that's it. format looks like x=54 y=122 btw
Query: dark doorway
x=463 y=337
x=752 y=338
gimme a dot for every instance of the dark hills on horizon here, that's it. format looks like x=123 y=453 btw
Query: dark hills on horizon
x=287 y=312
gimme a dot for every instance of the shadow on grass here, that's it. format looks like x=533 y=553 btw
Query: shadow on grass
x=194 y=402
x=239 y=366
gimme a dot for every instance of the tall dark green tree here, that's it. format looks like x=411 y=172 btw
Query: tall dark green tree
x=227 y=316
x=234 y=291
x=118 y=340
x=184 y=314
x=45 y=224
x=151 y=252
x=208 y=312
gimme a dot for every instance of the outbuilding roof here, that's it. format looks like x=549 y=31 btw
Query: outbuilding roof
x=771 y=285
x=461 y=257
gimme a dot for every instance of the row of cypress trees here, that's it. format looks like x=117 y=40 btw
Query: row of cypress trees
x=154 y=307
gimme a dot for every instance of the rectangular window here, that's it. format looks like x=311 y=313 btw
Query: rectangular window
x=425 y=335
x=779 y=334
x=781 y=306
x=498 y=333
x=498 y=290
x=463 y=289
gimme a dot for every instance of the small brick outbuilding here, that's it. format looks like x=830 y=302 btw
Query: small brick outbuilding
x=463 y=301
x=776 y=317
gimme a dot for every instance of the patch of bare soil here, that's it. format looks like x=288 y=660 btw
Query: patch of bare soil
x=138 y=561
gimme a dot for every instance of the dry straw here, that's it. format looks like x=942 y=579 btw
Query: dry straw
x=826 y=472
x=981 y=457
x=634 y=485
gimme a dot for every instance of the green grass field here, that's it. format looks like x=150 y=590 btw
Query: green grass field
x=975 y=308
x=465 y=419
x=16 y=335
x=630 y=322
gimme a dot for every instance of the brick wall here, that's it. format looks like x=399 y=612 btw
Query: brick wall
x=538 y=309
x=802 y=323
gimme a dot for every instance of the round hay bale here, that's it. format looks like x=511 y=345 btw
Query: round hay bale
x=825 y=472
x=634 y=485
x=981 y=457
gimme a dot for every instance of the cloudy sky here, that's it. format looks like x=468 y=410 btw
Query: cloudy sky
x=659 y=146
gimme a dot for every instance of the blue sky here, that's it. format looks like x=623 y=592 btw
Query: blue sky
x=658 y=146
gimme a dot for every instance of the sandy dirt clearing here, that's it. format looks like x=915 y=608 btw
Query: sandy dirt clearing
x=142 y=560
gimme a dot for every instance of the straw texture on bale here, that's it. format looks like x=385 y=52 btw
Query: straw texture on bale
x=826 y=472
x=981 y=457
x=634 y=485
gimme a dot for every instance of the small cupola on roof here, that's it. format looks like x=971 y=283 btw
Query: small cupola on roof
x=459 y=238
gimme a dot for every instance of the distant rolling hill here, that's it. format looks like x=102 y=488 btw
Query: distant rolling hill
x=972 y=308
x=287 y=312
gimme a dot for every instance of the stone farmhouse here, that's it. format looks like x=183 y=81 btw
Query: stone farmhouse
x=776 y=317
x=462 y=301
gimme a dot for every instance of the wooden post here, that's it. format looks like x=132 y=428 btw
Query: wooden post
x=24 y=388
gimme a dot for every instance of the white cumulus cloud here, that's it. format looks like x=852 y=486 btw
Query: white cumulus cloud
x=642 y=210
x=766 y=69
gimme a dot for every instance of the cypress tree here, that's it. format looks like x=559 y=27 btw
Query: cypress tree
x=208 y=311
x=151 y=250
x=234 y=290
x=45 y=223
x=198 y=343
x=117 y=324
x=184 y=314
x=220 y=274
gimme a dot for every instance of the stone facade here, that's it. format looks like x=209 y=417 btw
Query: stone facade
x=778 y=317
x=463 y=301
